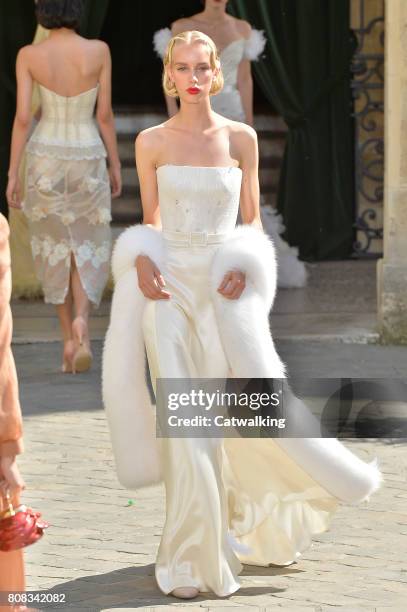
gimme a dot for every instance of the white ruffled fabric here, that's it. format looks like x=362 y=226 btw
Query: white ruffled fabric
x=61 y=150
x=161 y=39
x=291 y=271
x=255 y=44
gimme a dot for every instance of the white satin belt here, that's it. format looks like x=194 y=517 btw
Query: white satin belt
x=193 y=238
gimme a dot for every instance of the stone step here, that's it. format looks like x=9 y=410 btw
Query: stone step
x=271 y=132
x=128 y=210
x=271 y=145
x=268 y=175
x=133 y=120
x=266 y=161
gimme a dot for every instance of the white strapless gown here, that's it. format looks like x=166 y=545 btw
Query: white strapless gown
x=292 y=271
x=222 y=496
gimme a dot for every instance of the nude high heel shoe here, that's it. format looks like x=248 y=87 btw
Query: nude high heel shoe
x=185 y=592
x=82 y=358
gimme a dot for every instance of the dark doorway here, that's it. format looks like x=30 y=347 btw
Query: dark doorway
x=128 y=29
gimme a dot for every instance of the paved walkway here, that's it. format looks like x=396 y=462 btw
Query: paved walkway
x=100 y=550
x=338 y=303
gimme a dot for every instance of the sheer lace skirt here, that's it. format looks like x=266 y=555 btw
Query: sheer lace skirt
x=68 y=204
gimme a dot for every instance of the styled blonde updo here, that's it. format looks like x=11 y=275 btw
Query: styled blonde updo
x=188 y=37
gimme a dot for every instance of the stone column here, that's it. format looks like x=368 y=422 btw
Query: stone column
x=392 y=268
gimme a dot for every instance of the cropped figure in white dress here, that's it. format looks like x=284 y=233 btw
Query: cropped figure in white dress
x=238 y=45
x=196 y=292
x=67 y=186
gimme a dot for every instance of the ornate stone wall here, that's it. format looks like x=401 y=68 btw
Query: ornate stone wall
x=367 y=23
x=392 y=268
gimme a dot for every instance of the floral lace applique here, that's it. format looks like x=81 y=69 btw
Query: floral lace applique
x=54 y=252
x=102 y=215
x=89 y=251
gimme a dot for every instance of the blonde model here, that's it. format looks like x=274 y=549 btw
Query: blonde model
x=67 y=184
x=238 y=45
x=196 y=292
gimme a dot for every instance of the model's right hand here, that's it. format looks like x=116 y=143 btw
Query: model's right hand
x=10 y=473
x=150 y=280
x=13 y=193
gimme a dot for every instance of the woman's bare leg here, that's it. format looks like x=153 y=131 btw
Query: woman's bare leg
x=65 y=316
x=80 y=325
x=80 y=298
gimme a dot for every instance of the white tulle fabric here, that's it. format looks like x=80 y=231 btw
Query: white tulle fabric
x=161 y=38
x=229 y=501
x=67 y=200
x=292 y=272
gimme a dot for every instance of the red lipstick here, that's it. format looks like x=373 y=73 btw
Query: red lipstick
x=193 y=90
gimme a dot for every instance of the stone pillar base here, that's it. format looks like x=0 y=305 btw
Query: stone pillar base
x=392 y=301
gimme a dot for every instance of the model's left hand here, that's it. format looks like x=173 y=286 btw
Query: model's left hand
x=13 y=193
x=233 y=285
x=115 y=176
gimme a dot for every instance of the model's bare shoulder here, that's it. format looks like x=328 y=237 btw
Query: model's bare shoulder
x=96 y=46
x=243 y=139
x=150 y=139
x=244 y=28
x=242 y=131
x=27 y=57
x=25 y=53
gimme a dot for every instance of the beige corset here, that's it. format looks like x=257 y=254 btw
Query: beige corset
x=67 y=129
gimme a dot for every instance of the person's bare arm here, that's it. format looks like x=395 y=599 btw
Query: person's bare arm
x=21 y=125
x=245 y=141
x=147 y=143
x=244 y=148
x=244 y=77
x=105 y=120
x=11 y=443
x=245 y=87
x=150 y=279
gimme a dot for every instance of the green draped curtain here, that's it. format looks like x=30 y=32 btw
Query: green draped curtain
x=17 y=28
x=305 y=74
x=94 y=15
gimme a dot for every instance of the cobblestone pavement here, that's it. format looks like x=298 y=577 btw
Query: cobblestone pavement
x=100 y=549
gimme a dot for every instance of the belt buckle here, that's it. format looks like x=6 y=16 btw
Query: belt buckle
x=202 y=238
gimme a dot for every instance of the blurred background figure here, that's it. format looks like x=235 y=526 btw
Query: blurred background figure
x=11 y=445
